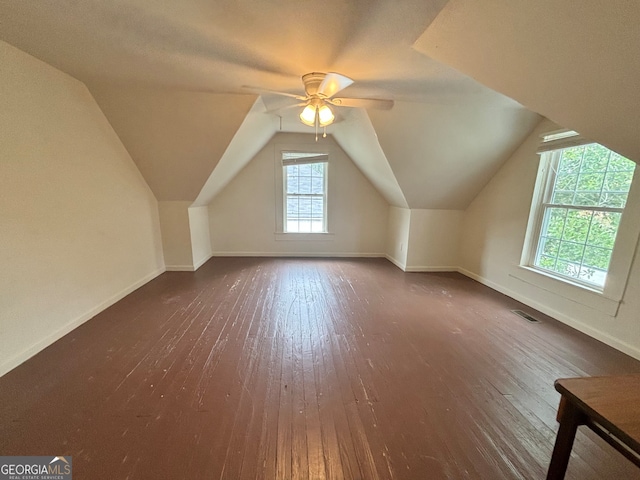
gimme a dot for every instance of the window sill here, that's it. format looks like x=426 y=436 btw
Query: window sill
x=304 y=237
x=575 y=292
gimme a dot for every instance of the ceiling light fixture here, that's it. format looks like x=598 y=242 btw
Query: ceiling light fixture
x=317 y=114
x=325 y=115
x=319 y=96
x=308 y=115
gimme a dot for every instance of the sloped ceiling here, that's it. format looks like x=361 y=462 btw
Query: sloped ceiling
x=575 y=62
x=358 y=139
x=176 y=137
x=443 y=154
x=254 y=133
x=169 y=77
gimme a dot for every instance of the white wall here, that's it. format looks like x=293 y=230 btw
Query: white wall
x=433 y=240
x=494 y=228
x=176 y=235
x=397 y=240
x=78 y=224
x=200 y=237
x=243 y=215
x=185 y=235
x=421 y=240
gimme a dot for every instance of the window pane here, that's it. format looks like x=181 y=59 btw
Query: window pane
x=587 y=198
x=547 y=262
x=292 y=226
x=554 y=222
x=596 y=158
x=571 y=160
x=566 y=182
x=305 y=170
x=604 y=227
x=304 y=185
x=563 y=198
x=590 y=182
x=614 y=200
x=597 y=257
x=317 y=208
x=618 y=181
x=571 y=252
x=304 y=209
x=576 y=227
x=318 y=169
x=292 y=184
x=567 y=268
x=618 y=162
x=317 y=185
x=592 y=275
x=292 y=207
x=550 y=247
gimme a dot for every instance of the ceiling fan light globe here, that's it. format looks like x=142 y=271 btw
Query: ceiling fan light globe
x=308 y=115
x=325 y=116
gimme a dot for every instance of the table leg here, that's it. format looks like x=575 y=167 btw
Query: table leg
x=569 y=417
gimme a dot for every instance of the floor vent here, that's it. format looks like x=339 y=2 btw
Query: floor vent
x=526 y=316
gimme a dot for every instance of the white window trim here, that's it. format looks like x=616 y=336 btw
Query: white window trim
x=608 y=299
x=280 y=192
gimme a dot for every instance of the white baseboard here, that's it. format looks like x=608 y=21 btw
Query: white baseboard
x=301 y=254
x=396 y=262
x=419 y=268
x=190 y=268
x=21 y=357
x=180 y=268
x=202 y=261
x=572 y=322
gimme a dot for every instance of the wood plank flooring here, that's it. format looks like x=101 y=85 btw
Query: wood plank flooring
x=307 y=368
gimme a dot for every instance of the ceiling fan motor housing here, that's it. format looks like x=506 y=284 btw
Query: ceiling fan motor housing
x=312 y=82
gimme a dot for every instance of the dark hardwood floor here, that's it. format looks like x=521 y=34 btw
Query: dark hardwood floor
x=307 y=368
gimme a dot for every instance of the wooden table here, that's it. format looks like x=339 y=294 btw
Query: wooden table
x=610 y=406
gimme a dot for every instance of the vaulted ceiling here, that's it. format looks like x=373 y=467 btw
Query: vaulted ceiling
x=575 y=62
x=170 y=75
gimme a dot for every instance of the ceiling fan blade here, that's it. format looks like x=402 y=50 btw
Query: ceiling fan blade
x=287 y=107
x=274 y=92
x=333 y=83
x=274 y=102
x=375 y=103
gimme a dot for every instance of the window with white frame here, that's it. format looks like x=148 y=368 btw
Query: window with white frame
x=305 y=192
x=581 y=202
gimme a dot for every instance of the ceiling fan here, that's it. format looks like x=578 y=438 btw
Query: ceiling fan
x=320 y=89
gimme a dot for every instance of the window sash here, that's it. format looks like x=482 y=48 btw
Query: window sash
x=583 y=207
x=581 y=265
x=288 y=160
